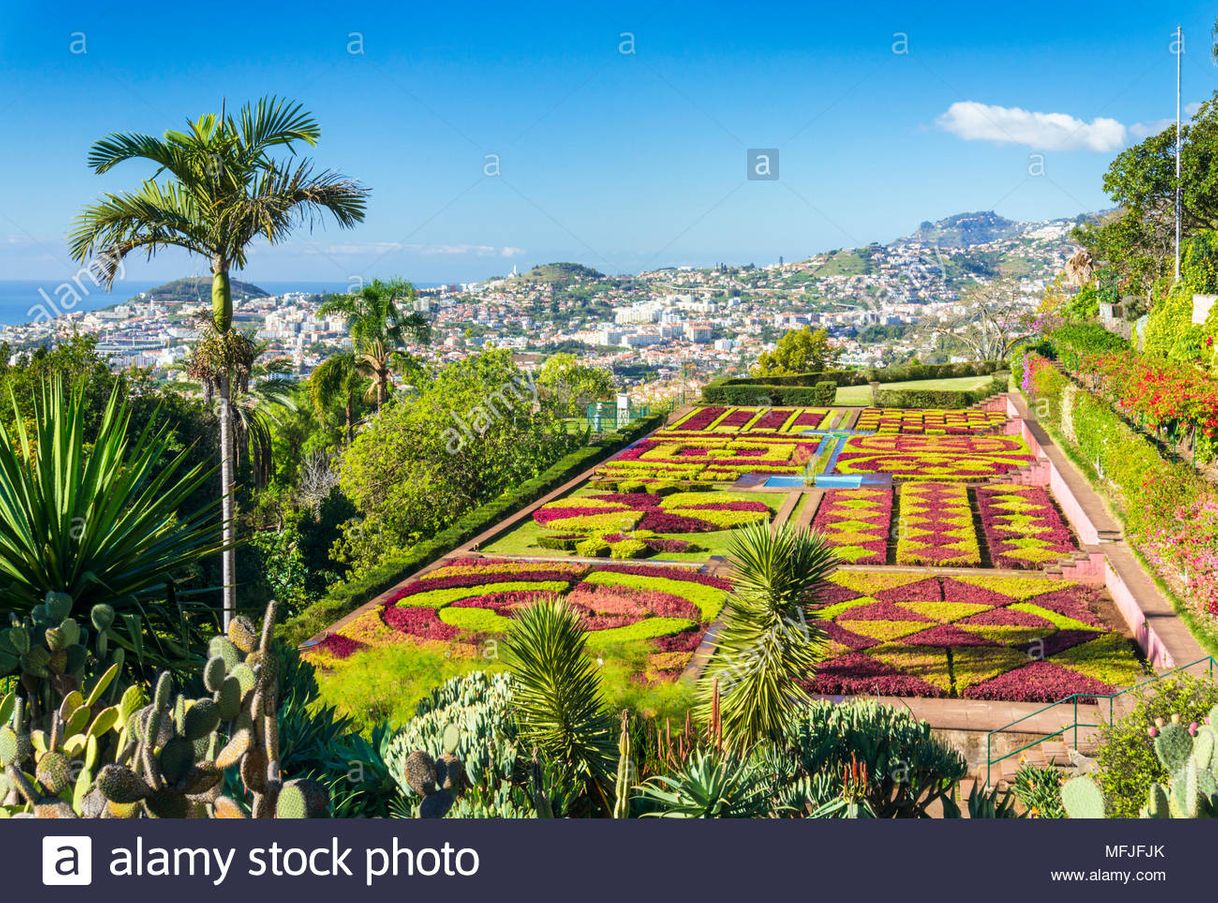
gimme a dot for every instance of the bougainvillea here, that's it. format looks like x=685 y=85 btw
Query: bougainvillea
x=936 y=526
x=856 y=523
x=929 y=420
x=964 y=458
x=910 y=634
x=1022 y=526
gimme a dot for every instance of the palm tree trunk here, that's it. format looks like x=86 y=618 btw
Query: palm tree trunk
x=347 y=412
x=229 y=560
x=222 y=319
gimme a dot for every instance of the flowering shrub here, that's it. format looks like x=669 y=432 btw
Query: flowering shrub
x=1022 y=526
x=909 y=634
x=936 y=526
x=339 y=646
x=856 y=523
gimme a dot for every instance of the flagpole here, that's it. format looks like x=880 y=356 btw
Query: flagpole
x=1179 y=53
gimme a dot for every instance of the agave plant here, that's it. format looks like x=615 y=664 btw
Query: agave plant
x=711 y=784
x=557 y=694
x=97 y=518
x=770 y=640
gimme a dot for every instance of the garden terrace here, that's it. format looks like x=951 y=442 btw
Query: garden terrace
x=906 y=457
x=651 y=616
x=731 y=419
x=988 y=636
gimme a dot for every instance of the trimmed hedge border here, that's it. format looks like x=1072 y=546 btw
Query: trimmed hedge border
x=347 y=596
x=938 y=398
x=766 y=395
x=901 y=373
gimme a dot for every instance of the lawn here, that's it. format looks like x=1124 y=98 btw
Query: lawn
x=861 y=395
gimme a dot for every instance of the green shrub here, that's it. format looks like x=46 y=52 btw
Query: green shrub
x=1169 y=325
x=345 y=597
x=1127 y=762
x=559 y=543
x=1039 y=789
x=592 y=548
x=937 y=398
x=1070 y=342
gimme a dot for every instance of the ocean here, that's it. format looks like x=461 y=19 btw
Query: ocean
x=22 y=302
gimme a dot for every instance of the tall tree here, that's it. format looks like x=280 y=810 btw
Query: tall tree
x=217 y=188
x=337 y=379
x=380 y=317
x=804 y=350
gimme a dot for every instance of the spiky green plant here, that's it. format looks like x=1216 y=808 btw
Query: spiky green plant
x=770 y=639
x=710 y=784
x=556 y=692
x=95 y=518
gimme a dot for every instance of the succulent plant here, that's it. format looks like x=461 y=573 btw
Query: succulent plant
x=165 y=757
x=1187 y=751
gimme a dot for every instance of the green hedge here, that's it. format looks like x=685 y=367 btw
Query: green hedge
x=1071 y=342
x=348 y=595
x=718 y=392
x=766 y=395
x=938 y=398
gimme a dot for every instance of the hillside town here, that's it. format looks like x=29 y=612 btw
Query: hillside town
x=658 y=331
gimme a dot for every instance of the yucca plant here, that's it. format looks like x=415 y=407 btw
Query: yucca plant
x=771 y=638
x=95 y=517
x=557 y=695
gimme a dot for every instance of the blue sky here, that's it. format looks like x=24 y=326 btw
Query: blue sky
x=618 y=160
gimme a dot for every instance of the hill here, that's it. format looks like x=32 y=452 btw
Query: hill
x=560 y=272
x=964 y=230
x=198 y=288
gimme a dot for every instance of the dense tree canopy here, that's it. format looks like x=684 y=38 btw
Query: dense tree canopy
x=804 y=350
x=477 y=429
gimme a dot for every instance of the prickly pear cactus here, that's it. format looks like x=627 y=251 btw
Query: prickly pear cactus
x=1187 y=752
x=166 y=757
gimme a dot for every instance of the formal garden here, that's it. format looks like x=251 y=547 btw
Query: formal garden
x=270 y=599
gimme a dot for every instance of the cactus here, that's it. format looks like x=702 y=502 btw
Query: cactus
x=1187 y=752
x=50 y=652
x=625 y=767
x=1082 y=798
x=167 y=757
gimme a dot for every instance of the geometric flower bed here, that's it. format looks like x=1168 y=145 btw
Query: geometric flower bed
x=601 y=523
x=665 y=610
x=707 y=458
x=1028 y=639
x=1022 y=525
x=936 y=526
x=856 y=523
x=914 y=420
x=721 y=419
x=962 y=458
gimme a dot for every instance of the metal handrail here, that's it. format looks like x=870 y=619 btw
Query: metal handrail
x=1074 y=725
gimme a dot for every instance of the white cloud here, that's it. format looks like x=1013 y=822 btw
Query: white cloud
x=975 y=121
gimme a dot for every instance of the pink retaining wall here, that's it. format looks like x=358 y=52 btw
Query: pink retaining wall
x=1097 y=568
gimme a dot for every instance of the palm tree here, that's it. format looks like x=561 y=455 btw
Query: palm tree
x=771 y=639
x=379 y=323
x=217 y=188
x=337 y=379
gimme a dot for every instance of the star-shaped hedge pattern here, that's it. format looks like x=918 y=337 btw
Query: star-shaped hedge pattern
x=1029 y=639
x=856 y=523
x=1022 y=526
